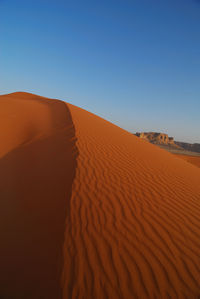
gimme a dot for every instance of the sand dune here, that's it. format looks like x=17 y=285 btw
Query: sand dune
x=195 y=160
x=89 y=210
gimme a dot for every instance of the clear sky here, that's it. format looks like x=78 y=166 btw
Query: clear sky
x=133 y=62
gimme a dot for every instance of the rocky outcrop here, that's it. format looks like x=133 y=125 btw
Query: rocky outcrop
x=157 y=138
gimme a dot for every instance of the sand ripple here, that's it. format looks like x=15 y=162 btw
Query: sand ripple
x=134 y=225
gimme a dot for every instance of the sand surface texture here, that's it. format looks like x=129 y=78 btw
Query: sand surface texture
x=195 y=160
x=89 y=210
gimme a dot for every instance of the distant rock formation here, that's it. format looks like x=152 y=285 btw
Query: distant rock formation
x=157 y=138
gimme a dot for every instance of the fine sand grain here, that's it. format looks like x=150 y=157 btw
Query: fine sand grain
x=89 y=210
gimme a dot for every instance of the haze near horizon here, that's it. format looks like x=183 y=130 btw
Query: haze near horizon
x=135 y=63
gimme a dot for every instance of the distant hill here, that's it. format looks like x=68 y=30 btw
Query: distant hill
x=193 y=147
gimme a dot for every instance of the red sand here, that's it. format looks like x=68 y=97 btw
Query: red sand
x=195 y=160
x=118 y=216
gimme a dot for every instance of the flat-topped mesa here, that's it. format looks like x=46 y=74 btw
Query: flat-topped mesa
x=156 y=138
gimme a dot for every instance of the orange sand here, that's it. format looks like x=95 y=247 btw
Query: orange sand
x=89 y=210
x=195 y=160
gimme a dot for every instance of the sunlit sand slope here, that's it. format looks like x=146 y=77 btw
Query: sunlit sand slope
x=133 y=229
x=195 y=160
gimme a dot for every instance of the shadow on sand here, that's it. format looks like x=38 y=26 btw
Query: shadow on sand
x=35 y=189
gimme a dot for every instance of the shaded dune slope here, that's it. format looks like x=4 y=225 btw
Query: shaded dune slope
x=134 y=224
x=37 y=167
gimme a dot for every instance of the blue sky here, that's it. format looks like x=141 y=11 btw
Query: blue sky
x=133 y=62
